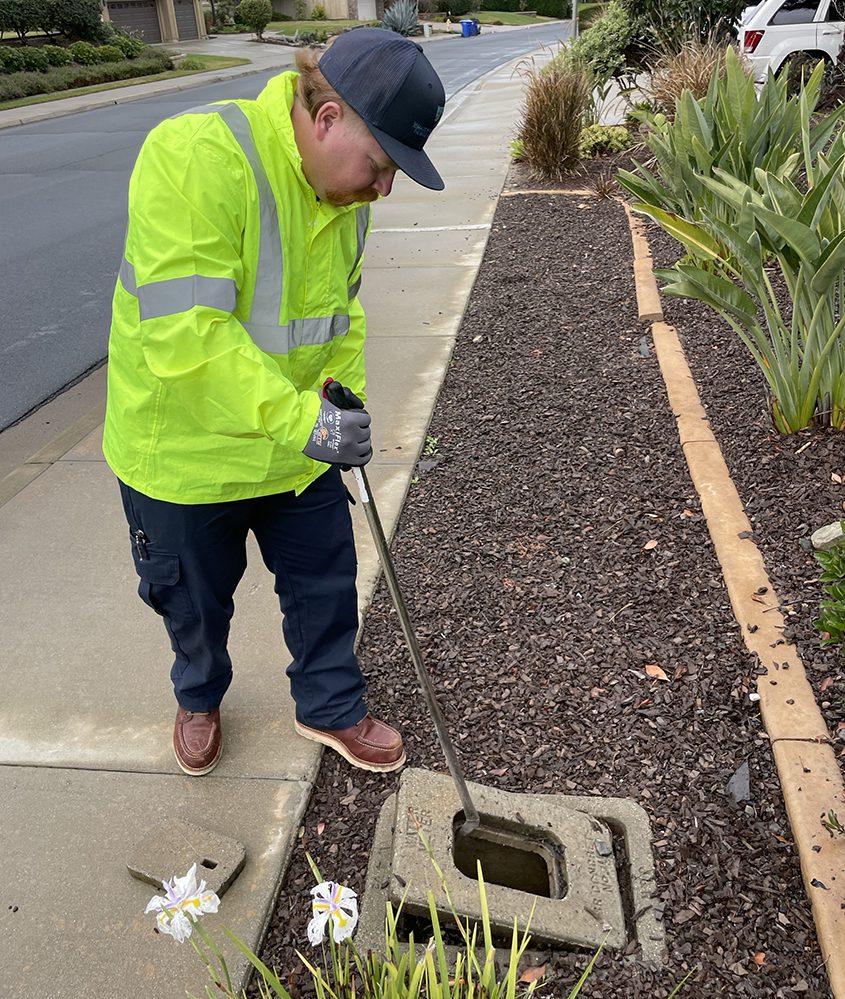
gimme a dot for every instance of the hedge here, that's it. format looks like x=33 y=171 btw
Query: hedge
x=76 y=19
x=67 y=77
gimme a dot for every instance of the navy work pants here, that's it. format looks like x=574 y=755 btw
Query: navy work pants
x=190 y=559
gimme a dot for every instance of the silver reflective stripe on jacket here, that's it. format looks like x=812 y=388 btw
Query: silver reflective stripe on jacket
x=362 y=214
x=164 y=298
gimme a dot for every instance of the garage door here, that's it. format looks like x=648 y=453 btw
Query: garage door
x=137 y=16
x=186 y=19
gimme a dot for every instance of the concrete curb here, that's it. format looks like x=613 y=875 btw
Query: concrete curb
x=809 y=773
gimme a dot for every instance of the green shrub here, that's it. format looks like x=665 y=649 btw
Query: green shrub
x=601 y=48
x=57 y=55
x=79 y=19
x=193 y=63
x=34 y=60
x=831 y=621
x=672 y=22
x=748 y=241
x=11 y=59
x=553 y=111
x=67 y=77
x=109 y=53
x=734 y=130
x=603 y=140
x=401 y=16
x=83 y=53
x=455 y=8
x=318 y=13
x=21 y=16
x=130 y=47
x=255 y=14
x=553 y=8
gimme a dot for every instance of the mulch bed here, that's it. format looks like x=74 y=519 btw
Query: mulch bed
x=554 y=548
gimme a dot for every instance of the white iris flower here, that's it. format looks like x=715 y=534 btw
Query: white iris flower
x=335 y=903
x=183 y=903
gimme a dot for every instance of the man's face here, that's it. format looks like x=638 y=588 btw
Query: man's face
x=350 y=166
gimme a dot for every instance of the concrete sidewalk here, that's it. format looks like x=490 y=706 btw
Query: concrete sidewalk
x=86 y=767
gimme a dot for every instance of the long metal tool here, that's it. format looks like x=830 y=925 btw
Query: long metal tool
x=470 y=812
x=344 y=399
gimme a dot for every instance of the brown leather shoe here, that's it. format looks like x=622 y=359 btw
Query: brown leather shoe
x=370 y=745
x=197 y=741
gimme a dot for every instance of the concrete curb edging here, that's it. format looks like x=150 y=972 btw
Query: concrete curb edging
x=809 y=773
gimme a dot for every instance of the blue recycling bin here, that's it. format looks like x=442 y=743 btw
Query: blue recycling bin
x=476 y=30
x=466 y=29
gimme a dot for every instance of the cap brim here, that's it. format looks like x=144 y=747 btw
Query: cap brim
x=413 y=162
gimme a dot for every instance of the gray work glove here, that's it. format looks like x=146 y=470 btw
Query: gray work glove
x=340 y=436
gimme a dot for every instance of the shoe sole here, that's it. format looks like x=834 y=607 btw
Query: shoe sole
x=326 y=740
x=191 y=772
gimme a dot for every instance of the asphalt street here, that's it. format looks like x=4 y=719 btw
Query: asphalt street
x=63 y=186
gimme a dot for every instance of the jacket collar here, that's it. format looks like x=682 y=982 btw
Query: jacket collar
x=276 y=101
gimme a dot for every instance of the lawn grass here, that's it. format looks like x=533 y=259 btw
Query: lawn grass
x=291 y=27
x=211 y=62
x=507 y=17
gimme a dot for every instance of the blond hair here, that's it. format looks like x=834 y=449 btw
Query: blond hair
x=313 y=89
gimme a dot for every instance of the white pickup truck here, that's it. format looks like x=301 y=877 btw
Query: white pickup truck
x=772 y=31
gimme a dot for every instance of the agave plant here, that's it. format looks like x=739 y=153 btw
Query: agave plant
x=401 y=16
x=734 y=130
x=775 y=226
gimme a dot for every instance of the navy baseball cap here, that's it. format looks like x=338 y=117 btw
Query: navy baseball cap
x=385 y=78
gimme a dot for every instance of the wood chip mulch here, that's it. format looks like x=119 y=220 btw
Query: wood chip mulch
x=553 y=547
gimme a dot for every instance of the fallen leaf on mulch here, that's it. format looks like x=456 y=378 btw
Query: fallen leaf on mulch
x=321 y=828
x=498 y=772
x=826 y=683
x=656 y=672
x=835 y=478
x=760 y=958
x=533 y=974
x=647 y=547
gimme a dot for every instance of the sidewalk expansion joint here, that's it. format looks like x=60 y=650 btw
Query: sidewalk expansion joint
x=436 y=228
x=19 y=478
x=810 y=776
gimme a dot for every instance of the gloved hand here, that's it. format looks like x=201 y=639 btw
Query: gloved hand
x=340 y=436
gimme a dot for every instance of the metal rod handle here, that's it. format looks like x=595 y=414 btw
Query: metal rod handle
x=470 y=811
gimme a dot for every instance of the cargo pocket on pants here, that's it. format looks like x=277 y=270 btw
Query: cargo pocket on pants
x=161 y=586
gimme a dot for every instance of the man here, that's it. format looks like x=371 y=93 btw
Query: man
x=236 y=300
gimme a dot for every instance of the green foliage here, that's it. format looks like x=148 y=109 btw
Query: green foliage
x=831 y=620
x=108 y=53
x=402 y=17
x=130 y=47
x=35 y=60
x=554 y=106
x=517 y=150
x=84 y=53
x=318 y=13
x=67 y=77
x=600 y=50
x=78 y=19
x=603 y=140
x=301 y=9
x=57 y=55
x=456 y=8
x=256 y=14
x=193 y=63
x=553 y=8
x=668 y=23
x=746 y=231
x=21 y=16
x=733 y=130
x=11 y=59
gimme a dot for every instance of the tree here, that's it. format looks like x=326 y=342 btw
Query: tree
x=256 y=15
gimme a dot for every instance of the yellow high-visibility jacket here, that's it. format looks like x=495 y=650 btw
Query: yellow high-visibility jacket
x=236 y=299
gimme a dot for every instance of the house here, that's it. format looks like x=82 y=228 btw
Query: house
x=158 y=20
x=354 y=10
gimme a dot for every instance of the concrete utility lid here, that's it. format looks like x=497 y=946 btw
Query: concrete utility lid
x=174 y=844
x=576 y=900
